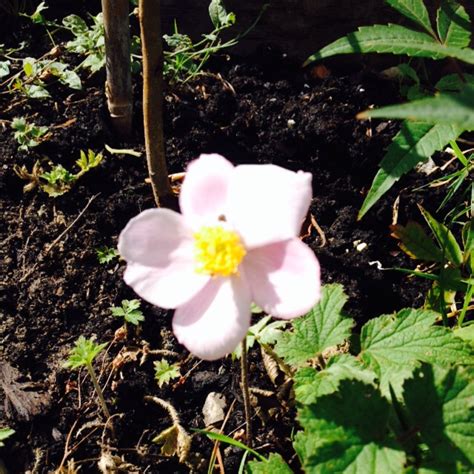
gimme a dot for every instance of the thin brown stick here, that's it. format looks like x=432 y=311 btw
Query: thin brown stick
x=118 y=87
x=152 y=51
x=246 y=393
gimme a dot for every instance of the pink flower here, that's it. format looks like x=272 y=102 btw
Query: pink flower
x=236 y=242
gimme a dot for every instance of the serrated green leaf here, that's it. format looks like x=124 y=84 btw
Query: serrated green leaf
x=392 y=345
x=440 y=406
x=323 y=327
x=273 y=465
x=416 y=243
x=165 y=372
x=415 y=10
x=311 y=384
x=394 y=39
x=346 y=432
x=453 y=24
x=414 y=143
x=452 y=109
x=445 y=238
x=83 y=353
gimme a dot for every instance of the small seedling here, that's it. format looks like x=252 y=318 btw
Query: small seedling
x=4 y=434
x=106 y=254
x=58 y=180
x=129 y=311
x=164 y=372
x=28 y=135
x=83 y=355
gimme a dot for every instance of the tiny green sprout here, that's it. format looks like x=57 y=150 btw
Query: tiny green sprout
x=83 y=355
x=58 y=181
x=87 y=162
x=28 y=135
x=106 y=254
x=164 y=372
x=4 y=434
x=129 y=311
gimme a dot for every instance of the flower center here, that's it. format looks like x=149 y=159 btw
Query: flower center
x=218 y=251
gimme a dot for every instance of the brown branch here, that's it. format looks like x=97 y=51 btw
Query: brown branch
x=118 y=87
x=152 y=51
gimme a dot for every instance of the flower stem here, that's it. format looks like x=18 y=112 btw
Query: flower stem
x=245 y=392
x=98 y=390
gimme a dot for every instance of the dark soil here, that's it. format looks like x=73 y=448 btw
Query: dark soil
x=54 y=289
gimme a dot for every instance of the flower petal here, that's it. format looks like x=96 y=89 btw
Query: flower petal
x=155 y=237
x=267 y=203
x=167 y=287
x=213 y=323
x=284 y=278
x=203 y=194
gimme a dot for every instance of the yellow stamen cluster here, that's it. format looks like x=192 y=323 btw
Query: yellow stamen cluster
x=218 y=251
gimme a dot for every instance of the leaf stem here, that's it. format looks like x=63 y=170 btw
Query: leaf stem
x=98 y=390
x=245 y=392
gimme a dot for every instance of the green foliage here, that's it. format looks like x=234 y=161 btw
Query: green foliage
x=414 y=143
x=28 y=135
x=438 y=120
x=323 y=327
x=273 y=465
x=165 y=372
x=106 y=254
x=88 y=41
x=401 y=401
x=185 y=59
x=263 y=332
x=88 y=161
x=5 y=433
x=58 y=181
x=84 y=353
x=129 y=311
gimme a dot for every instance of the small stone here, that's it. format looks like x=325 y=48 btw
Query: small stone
x=361 y=246
x=213 y=409
x=291 y=123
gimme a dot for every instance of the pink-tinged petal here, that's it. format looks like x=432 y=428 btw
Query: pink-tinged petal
x=204 y=191
x=216 y=320
x=267 y=203
x=167 y=287
x=156 y=237
x=284 y=278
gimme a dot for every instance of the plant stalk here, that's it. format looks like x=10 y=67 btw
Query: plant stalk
x=152 y=51
x=118 y=87
x=98 y=390
x=246 y=393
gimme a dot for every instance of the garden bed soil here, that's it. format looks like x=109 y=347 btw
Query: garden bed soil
x=264 y=109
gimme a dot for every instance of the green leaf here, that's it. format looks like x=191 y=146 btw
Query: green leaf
x=392 y=345
x=415 y=10
x=217 y=13
x=36 y=92
x=6 y=433
x=346 y=432
x=416 y=243
x=414 y=143
x=71 y=79
x=129 y=311
x=106 y=254
x=323 y=327
x=273 y=465
x=445 y=238
x=453 y=83
x=393 y=39
x=164 y=372
x=454 y=25
x=84 y=353
x=440 y=407
x=4 y=68
x=468 y=241
x=465 y=333
x=311 y=384
x=456 y=109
